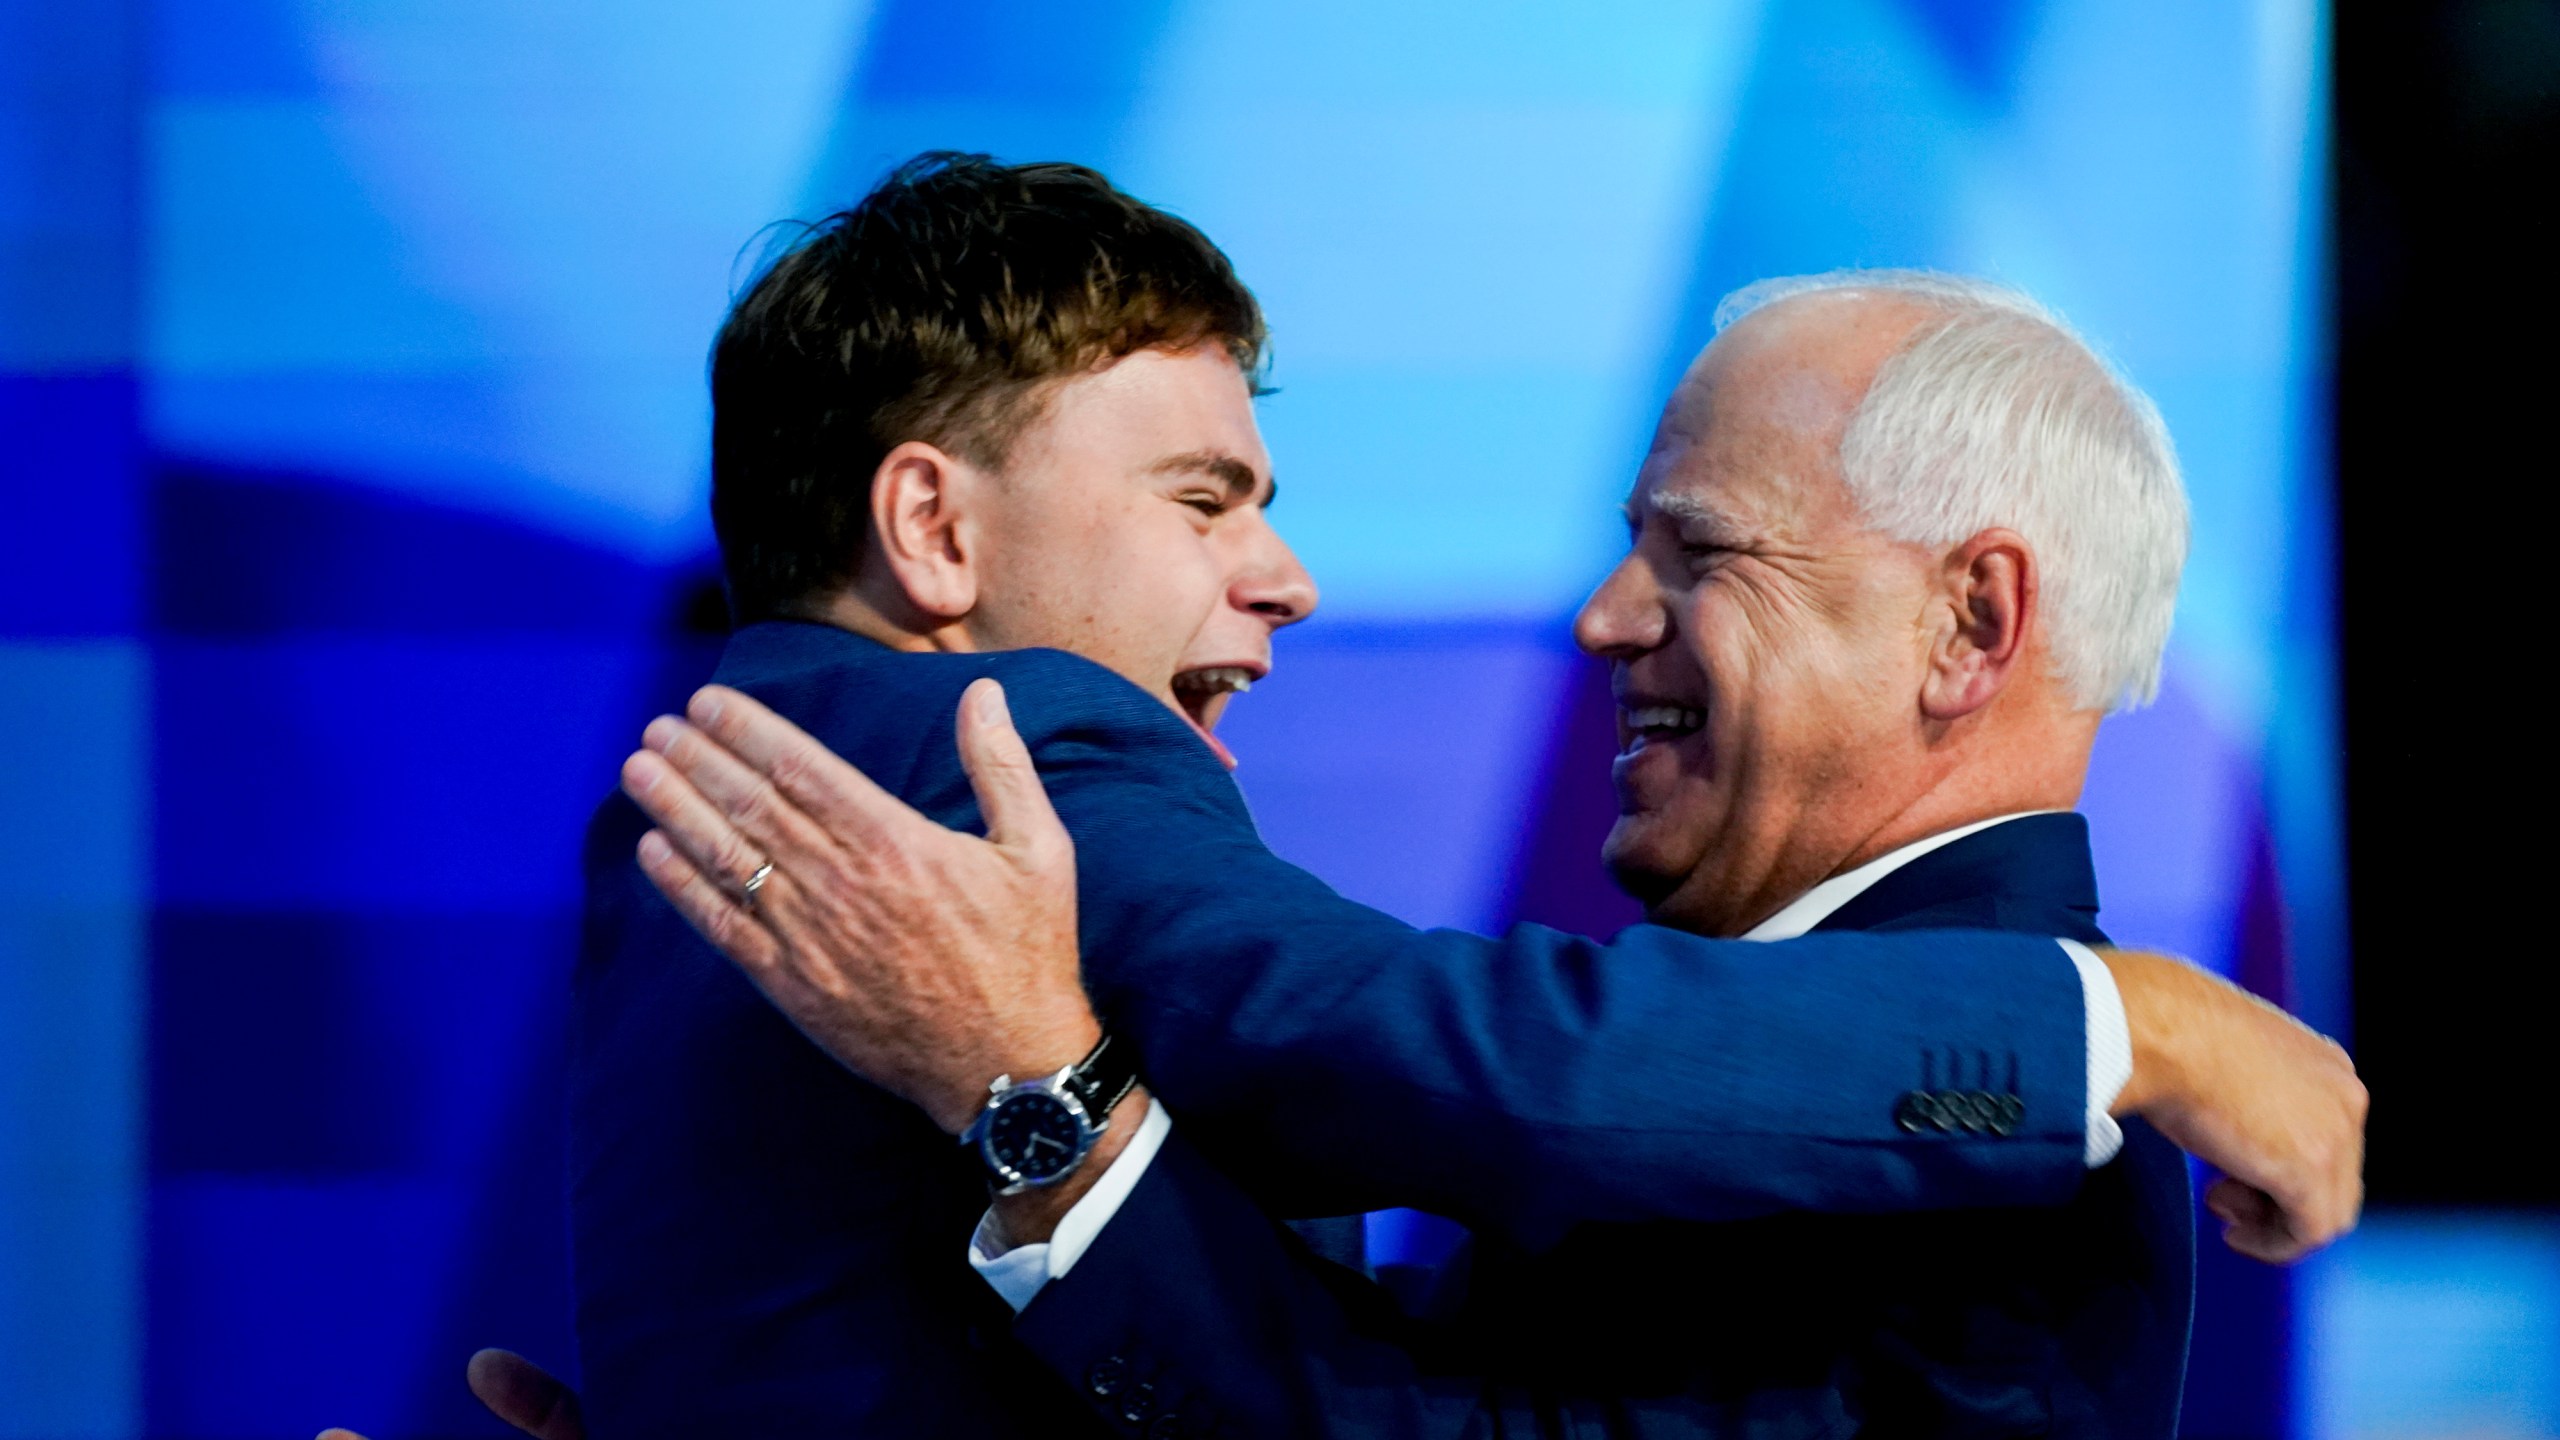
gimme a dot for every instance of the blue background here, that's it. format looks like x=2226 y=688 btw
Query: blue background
x=354 y=435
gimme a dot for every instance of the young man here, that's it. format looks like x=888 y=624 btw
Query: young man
x=995 y=414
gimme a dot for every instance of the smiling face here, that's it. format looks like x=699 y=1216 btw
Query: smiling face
x=1128 y=526
x=1766 y=644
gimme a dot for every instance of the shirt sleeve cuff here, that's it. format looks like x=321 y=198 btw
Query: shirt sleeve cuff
x=2110 y=1046
x=1019 y=1274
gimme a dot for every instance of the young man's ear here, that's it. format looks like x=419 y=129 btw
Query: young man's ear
x=921 y=530
x=1986 y=603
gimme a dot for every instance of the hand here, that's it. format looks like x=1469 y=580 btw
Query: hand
x=518 y=1392
x=927 y=960
x=2252 y=1092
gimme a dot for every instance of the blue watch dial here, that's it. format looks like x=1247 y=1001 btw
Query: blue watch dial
x=1034 y=1136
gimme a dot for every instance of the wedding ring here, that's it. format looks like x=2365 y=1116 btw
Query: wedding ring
x=756 y=881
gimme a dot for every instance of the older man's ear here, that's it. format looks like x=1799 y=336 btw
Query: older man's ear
x=1980 y=619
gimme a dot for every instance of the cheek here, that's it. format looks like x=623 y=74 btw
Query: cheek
x=1165 y=584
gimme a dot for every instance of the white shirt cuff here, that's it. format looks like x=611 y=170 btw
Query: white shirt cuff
x=1019 y=1274
x=2110 y=1043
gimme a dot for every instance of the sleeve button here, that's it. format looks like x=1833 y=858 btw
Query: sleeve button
x=1913 y=1112
x=1139 y=1403
x=1981 y=1112
x=1107 y=1376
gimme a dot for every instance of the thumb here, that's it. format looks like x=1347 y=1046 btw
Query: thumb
x=1010 y=796
x=525 y=1395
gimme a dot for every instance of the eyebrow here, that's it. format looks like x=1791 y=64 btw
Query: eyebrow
x=1219 y=465
x=1690 y=510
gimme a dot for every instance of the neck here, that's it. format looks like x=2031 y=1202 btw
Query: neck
x=892 y=621
x=1961 y=775
x=1998 y=775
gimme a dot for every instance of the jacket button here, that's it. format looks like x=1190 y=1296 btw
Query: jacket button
x=1980 y=1106
x=1168 y=1426
x=1914 y=1112
x=2012 y=1111
x=1139 y=1403
x=1107 y=1376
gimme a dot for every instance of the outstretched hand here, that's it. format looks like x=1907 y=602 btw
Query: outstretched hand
x=926 y=959
x=2252 y=1092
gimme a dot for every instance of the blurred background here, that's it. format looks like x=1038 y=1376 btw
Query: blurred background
x=354 y=436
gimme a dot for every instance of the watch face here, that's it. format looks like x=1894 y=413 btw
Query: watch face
x=1035 y=1136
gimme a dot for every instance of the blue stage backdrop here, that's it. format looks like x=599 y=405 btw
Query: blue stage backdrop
x=353 y=420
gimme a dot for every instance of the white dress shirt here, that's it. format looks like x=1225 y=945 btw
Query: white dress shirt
x=1019 y=1273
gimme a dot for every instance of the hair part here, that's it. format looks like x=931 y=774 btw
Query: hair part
x=943 y=308
x=1995 y=413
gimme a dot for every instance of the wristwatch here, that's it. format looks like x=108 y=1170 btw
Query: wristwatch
x=1034 y=1133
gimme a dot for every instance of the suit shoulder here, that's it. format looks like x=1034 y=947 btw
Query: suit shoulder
x=1056 y=687
x=891 y=713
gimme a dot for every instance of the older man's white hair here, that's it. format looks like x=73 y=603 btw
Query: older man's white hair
x=1997 y=414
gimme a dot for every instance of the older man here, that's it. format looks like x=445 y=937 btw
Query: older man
x=1899 y=544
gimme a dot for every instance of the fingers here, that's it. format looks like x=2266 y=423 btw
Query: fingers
x=1010 y=795
x=697 y=826
x=2259 y=1226
x=835 y=794
x=707 y=906
x=526 y=1396
x=2252 y=1222
x=735 y=795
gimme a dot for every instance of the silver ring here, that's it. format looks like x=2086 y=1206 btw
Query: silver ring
x=756 y=881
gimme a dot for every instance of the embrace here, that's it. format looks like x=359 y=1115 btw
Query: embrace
x=952 y=1058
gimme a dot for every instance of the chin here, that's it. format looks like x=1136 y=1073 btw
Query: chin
x=1639 y=873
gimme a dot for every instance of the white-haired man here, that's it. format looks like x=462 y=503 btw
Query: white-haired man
x=1899 y=544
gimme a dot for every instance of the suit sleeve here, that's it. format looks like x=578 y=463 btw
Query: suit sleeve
x=1194 y=1313
x=1332 y=1059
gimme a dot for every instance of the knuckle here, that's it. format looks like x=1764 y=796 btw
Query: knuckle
x=718 y=922
x=753 y=805
x=790 y=769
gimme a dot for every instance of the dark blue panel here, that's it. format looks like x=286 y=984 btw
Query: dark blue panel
x=430 y=774
x=247 y=554
x=70 y=546
x=1557 y=878
x=270 y=1054
x=359 y=1175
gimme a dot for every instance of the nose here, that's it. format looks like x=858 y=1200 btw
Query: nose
x=1272 y=583
x=1625 y=617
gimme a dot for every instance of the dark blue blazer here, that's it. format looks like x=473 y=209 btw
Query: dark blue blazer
x=2066 y=1320
x=766 y=1245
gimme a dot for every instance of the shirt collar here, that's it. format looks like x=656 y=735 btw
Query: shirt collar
x=1815 y=905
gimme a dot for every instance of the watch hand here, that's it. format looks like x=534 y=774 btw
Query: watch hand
x=1038 y=1139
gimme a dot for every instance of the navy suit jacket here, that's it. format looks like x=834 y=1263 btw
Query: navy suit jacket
x=2013 y=1322
x=766 y=1245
